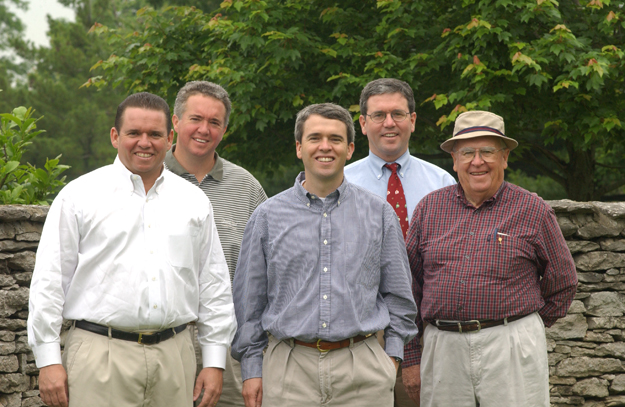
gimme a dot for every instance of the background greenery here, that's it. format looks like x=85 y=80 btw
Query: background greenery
x=553 y=70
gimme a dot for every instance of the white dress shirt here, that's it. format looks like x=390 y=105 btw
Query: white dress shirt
x=113 y=255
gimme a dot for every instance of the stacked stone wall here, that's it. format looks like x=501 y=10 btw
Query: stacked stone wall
x=20 y=231
x=586 y=348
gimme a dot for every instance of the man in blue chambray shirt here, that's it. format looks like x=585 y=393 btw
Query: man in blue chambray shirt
x=322 y=268
x=388 y=133
x=387 y=118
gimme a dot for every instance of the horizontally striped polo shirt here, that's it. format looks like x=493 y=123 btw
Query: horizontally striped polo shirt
x=234 y=194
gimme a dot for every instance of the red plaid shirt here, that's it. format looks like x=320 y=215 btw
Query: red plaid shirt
x=506 y=258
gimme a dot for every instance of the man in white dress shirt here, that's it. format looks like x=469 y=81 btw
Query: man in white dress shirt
x=130 y=252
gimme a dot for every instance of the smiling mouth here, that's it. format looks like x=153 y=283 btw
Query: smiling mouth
x=479 y=173
x=144 y=155
x=200 y=140
x=325 y=159
x=390 y=135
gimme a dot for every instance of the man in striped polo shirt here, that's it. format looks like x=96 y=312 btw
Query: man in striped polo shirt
x=201 y=114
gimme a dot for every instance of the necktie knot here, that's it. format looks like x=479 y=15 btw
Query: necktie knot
x=392 y=167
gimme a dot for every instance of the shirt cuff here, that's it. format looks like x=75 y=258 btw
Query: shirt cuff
x=214 y=356
x=394 y=347
x=251 y=368
x=47 y=354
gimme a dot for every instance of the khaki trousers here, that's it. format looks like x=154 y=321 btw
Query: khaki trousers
x=361 y=375
x=401 y=396
x=105 y=372
x=504 y=365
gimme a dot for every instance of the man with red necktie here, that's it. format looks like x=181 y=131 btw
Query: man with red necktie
x=387 y=118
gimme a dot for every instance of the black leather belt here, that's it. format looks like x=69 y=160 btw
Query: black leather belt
x=144 y=339
x=473 y=325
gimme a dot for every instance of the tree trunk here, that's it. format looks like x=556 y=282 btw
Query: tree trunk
x=579 y=172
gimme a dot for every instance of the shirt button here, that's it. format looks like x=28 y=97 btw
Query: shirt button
x=155 y=307
x=325 y=297
x=325 y=215
x=466 y=257
x=149 y=226
x=460 y=308
x=325 y=242
x=151 y=251
x=325 y=269
x=323 y=325
x=153 y=278
x=471 y=233
x=339 y=202
x=308 y=204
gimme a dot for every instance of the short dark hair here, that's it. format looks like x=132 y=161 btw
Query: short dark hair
x=329 y=111
x=143 y=100
x=204 y=88
x=386 y=86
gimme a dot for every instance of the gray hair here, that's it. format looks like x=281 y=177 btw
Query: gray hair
x=386 y=86
x=328 y=111
x=204 y=88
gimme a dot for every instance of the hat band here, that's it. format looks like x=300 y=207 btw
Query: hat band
x=478 y=128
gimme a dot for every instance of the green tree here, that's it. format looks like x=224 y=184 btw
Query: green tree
x=553 y=70
x=78 y=120
x=12 y=46
x=20 y=183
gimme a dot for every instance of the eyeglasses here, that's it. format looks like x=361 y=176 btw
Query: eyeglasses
x=396 y=115
x=466 y=155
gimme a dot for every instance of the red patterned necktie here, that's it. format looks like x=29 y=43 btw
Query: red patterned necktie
x=395 y=196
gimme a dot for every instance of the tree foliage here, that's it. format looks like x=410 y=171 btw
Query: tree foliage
x=77 y=119
x=553 y=70
x=24 y=183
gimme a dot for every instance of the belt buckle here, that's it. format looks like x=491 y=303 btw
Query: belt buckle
x=156 y=336
x=319 y=347
x=479 y=326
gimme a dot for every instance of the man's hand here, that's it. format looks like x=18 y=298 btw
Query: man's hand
x=396 y=363
x=211 y=380
x=253 y=392
x=53 y=387
x=411 y=377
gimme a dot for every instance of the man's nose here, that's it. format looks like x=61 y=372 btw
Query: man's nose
x=388 y=120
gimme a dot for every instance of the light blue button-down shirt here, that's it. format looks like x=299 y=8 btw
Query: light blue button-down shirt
x=326 y=269
x=418 y=177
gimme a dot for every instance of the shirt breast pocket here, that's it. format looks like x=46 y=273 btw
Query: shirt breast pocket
x=182 y=247
x=505 y=256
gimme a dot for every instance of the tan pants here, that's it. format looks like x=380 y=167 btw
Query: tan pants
x=401 y=396
x=361 y=375
x=105 y=372
x=504 y=365
x=231 y=393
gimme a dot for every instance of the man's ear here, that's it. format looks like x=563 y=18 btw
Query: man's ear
x=114 y=137
x=298 y=149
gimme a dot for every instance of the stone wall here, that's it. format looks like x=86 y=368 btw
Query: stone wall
x=20 y=230
x=586 y=348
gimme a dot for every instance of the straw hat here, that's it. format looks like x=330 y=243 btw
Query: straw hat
x=478 y=123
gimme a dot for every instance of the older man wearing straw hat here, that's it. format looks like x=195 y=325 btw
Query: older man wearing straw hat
x=491 y=269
